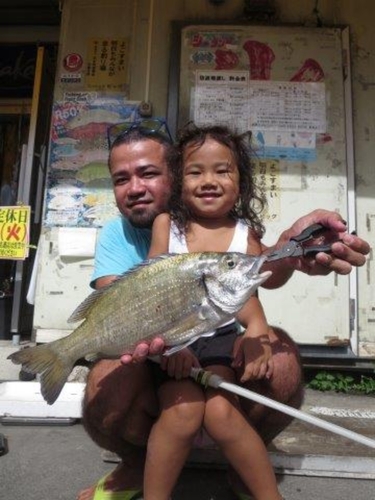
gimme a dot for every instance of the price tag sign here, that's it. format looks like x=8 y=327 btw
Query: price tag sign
x=14 y=232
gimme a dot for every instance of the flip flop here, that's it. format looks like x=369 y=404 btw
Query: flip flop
x=102 y=494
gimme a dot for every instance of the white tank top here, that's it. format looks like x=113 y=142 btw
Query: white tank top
x=177 y=240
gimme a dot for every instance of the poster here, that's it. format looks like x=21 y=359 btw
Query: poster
x=281 y=145
x=287 y=106
x=79 y=189
x=107 y=65
x=267 y=173
x=221 y=97
x=14 y=232
x=285 y=109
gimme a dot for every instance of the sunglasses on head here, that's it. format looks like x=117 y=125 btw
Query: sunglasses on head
x=148 y=127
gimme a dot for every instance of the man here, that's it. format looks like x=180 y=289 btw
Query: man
x=121 y=403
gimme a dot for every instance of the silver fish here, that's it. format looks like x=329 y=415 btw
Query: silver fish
x=176 y=297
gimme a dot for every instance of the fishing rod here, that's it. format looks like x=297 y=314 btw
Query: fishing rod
x=209 y=379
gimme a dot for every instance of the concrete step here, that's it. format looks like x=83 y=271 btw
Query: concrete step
x=8 y=370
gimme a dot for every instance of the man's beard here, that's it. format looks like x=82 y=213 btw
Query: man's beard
x=142 y=219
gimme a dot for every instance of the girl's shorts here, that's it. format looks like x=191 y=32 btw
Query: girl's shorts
x=214 y=350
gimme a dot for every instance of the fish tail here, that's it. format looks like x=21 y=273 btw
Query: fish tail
x=53 y=368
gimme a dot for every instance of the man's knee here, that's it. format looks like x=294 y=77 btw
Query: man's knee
x=120 y=404
x=287 y=378
x=286 y=384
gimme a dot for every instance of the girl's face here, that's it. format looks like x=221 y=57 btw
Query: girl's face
x=210 y=184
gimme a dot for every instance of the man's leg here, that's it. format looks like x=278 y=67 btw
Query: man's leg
x=120 y=408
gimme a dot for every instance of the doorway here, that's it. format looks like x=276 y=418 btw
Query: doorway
x=24 y=137
x=14 y=128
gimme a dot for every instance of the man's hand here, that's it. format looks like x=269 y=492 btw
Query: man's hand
x=143 y=350
x=350 y=251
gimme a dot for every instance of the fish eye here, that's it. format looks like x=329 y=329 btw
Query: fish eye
x=230 y=262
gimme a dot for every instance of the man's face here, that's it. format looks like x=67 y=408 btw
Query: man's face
x=141 y=182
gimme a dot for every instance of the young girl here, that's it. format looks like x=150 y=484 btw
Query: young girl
x=213 y=208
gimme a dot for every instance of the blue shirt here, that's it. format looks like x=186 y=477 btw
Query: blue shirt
x=120 y=247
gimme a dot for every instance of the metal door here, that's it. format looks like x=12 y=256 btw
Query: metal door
x=286 y=84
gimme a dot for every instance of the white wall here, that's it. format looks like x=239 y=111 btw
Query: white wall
x=87 y=18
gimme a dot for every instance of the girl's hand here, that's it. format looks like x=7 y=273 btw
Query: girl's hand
x=179 y=365
x=253 y=354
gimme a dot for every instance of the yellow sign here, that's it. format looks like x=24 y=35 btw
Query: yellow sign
x=14 y=232
x=107 y=66
x=267 y=173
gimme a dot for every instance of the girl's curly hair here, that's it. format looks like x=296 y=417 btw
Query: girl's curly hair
x=251 y=202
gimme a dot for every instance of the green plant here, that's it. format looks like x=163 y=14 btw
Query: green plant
x=338 y=382
x=367 y=385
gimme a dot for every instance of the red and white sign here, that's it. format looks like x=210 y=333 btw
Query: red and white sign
x=72 y=62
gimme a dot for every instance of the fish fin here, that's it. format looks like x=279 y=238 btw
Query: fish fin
x=52 y=368
x=93 y=356
x=83 y=309
x=208 y=334
x=205 y=310
x=145 y=263
x=177 y=348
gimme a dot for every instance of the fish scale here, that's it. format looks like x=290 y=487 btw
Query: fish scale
x=175 y=292
x=177 y=297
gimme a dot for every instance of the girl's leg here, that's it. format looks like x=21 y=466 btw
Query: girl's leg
x=182 y=406
x=286 y=386
x=240 y=443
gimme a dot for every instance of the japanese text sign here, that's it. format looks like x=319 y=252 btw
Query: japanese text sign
x=14 y=232
x=107 y=67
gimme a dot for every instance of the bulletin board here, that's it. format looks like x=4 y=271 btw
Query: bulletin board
x=287 y=85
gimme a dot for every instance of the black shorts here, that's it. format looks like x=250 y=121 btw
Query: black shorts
x=218 y=349
x=215 y=350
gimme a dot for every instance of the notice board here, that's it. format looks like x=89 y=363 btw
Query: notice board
x=287 y=85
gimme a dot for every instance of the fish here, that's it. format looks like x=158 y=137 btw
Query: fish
x=178 y=297
x=92 y=171
x=94 y=116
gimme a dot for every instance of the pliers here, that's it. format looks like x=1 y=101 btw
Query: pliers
x=296 y=246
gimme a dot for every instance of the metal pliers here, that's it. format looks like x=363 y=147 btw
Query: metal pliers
x=296 y=246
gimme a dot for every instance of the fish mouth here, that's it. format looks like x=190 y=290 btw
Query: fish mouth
x=264 y=275
x=258 y=278
x=259 y=263
x=254 y=272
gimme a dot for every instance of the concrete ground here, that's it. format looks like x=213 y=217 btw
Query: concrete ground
x=55 y=462
x=50 y=461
